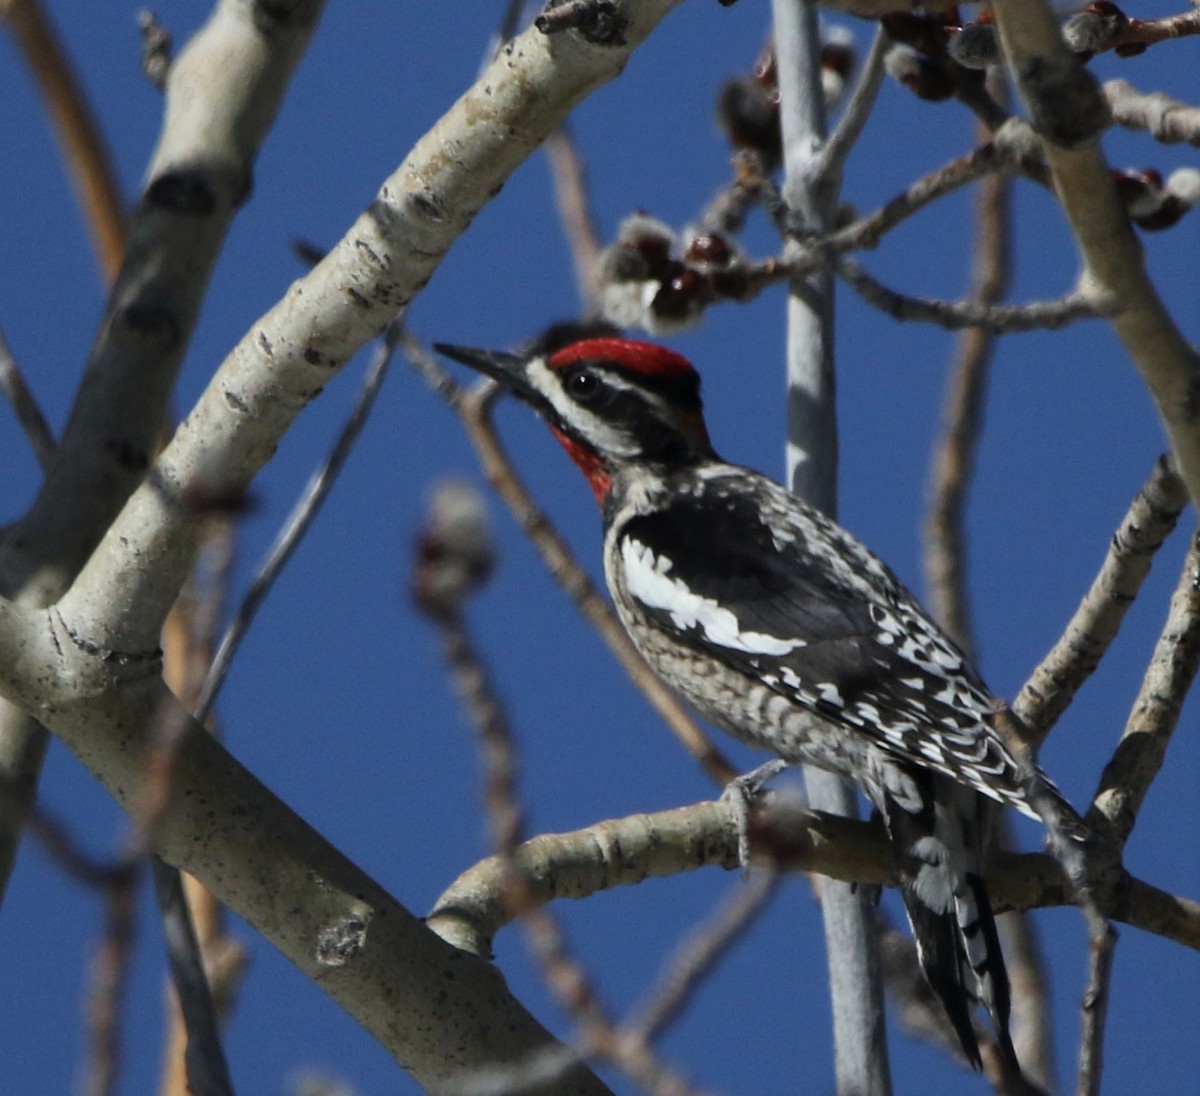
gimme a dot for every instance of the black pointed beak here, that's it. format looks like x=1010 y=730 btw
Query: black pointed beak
x=508 y=369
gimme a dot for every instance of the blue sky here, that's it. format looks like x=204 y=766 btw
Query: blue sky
x=338 y=700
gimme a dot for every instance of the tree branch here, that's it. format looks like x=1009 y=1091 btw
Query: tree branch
x=627 y=851
x=1068 y=112
x=1139 y=755
x=1054 y=682
x=221 y=100
x=375 y=270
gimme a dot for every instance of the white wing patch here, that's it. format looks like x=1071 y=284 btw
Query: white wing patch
x=647 y=578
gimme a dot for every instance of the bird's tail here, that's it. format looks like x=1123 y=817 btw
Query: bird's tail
x=949 y=910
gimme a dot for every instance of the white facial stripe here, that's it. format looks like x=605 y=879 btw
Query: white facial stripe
x=647 y=580
x=602 y=435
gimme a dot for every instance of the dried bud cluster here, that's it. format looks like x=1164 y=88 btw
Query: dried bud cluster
x=922 y=59
x=975 y=45
x=1152 y=204
x=454 y=552
x=924 y=78
x=1094 y=28
x=656 y=282
x=748 y=106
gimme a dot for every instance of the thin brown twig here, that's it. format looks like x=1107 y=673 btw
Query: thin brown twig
x=1095 y=1013
x=188 y=642
x=84 y=150
x=1054 y=682
x=109 y=978
x=1032 y=1021
x=116 y=881
x=697 y=957
x=563 y=974
x=946 y=569
x=25 y=406
x=962 y=421
x=955 y=315
x=1139 y=755
x=575 y=214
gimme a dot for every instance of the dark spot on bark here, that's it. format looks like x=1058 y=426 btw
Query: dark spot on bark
x=358 y=298
x=127 y=455
x=426 y=207
x=265 y=344
x=184 y=191
x=235 y=401
x=367 y=252
x=314 y=356
x=151 y=323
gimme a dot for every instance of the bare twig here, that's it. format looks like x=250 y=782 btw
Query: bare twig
x=1092 y=867
x=946 y=568
x=1032 y=1020
x=84 y=149
x=563 y=974
x=953 y=463
x=858 y=109
x=955 y=315
x=1068 y=112
x=303 y=514
x=1165 y=119
x=1139 y=755
x=110 y=973
x=25 y=406
x=206 y=965
x=207 y=1070
x=575 y=214
x=696 y=958
x=1054 y=682
x=1095 y=1013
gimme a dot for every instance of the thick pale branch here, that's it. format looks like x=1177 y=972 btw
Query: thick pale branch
x=1069 y=663
x=221 y=100
x=627 y=851
x=223 y=93
x=1139 y=755
x=295 y=349
x=440 y=1012
x=1068 y=111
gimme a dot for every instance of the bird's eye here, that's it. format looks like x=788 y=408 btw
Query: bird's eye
x=583 y=385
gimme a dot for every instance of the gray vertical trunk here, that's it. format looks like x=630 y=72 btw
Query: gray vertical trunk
x=856 y=984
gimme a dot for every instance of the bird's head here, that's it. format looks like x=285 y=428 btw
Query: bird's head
x=612 y=403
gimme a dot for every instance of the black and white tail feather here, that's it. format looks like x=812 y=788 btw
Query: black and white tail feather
x=780 y=627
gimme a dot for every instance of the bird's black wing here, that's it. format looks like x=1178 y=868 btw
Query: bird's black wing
x=792 y=600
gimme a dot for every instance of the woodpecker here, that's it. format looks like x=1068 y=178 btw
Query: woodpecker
x=781 y=628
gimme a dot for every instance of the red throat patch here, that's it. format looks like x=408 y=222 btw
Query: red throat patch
x=589 y=464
